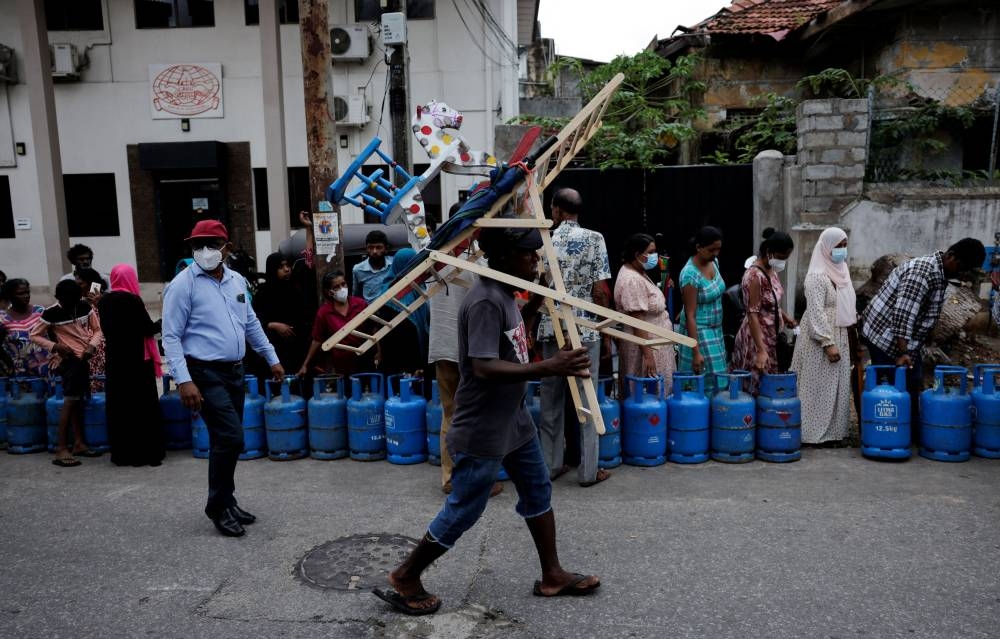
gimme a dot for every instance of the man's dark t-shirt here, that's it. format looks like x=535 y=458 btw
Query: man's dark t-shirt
x=491 y=418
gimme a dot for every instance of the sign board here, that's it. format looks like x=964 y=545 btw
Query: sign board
x=188 y=90
x=326 y=231
x=22 y=223
x=199 y=203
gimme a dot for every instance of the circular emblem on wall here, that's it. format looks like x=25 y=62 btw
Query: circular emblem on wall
x=186 y=89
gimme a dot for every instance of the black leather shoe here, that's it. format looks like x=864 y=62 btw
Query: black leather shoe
x=242 y=516
x=226 y=523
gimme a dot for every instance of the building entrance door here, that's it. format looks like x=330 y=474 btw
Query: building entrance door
x=181 y=201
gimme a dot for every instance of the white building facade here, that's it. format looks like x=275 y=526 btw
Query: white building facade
x=160 y=119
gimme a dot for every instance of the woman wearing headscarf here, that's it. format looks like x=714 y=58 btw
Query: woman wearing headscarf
x=404 y=350
x=133 y=364
x=822 y=356
x=283 y=313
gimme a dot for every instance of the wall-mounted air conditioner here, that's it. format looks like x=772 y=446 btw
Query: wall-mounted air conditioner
x=350 y=110
x=350 y=42
x=8 y=65
x=65 y=61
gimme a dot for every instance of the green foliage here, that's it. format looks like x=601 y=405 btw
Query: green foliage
x=717 y=157
x=648 y=116
x=900 y=145
x=773 y=129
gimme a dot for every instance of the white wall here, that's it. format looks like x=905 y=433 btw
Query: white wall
x=109 y=108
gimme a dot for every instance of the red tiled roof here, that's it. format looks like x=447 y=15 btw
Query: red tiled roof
x=776 y=18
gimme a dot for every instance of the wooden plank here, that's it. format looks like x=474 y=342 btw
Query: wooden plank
x=513 y=223
x=565 y=298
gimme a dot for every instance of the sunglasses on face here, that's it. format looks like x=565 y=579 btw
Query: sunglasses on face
x=211 y=243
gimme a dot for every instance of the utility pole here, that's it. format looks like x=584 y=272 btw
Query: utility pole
x=317 y=80
x=399 y=111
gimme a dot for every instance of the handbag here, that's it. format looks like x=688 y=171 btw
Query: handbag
x=783 y=345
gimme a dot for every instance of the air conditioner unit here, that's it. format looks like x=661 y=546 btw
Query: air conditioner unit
x=65 y=61
x=350 y=110
x=8 y=65
x=350 y=42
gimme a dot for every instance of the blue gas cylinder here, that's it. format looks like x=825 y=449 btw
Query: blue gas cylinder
x=254 y=433
x=200 y=445
x=689 y=414
x=946 y=416
x=885 y=414
x=644 y=422
x=435 y=413
x=176 y=417
x=734 y=421
x=285 y=421
x=779 y=418
x=3 y=412
x=405 y=421
x=26 y=416
x=366 y=417
x=986 y=401
x=609 y=451
x=328 y=418
x=53 y=410
x=95 y=420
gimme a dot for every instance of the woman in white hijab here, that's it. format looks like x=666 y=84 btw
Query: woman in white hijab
x=822 y=351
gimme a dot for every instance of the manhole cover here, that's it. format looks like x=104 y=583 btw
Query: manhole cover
x=358 y=562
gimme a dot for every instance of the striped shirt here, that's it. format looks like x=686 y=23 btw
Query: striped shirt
x=907 y=306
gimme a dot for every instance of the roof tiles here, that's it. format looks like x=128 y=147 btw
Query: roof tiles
x=775 y=18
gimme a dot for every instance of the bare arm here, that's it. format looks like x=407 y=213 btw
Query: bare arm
x=313 y=349
x=567 y=363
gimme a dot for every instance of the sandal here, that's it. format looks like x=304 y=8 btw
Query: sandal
x=572 y=589
x=602 y=475
x=65 y=462
x=401 y=603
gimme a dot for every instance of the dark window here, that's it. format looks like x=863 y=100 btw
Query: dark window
x=74 y=15
x=976 y=145
x=288 y=11
x=161 y=14
x=6 y=209
x=371 y=10
x=91 y=204
x=298 y=196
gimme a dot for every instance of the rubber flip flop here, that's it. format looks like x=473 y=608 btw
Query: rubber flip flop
x=600 y=477
x=400 y=603
x=90 y=452
x=66 y=462
x=569 y=590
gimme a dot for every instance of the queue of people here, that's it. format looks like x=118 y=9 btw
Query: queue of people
x=99 y=329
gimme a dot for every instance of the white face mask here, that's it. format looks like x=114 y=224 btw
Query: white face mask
x=340 y=295
x=777 y=265
x=207 y=258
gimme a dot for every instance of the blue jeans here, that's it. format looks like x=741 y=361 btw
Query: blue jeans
x=473 y=477
x=221 y=386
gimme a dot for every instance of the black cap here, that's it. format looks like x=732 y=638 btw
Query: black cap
x=494 y=240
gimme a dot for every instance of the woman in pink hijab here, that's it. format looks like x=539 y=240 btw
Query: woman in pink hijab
x=822 y=356
x=133 y=364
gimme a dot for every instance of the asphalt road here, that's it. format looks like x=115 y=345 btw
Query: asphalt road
x=831 y=546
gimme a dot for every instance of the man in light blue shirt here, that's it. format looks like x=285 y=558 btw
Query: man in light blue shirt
x=368 y=276
x=207 y=322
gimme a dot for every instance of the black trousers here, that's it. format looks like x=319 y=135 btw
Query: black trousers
x=221 y=386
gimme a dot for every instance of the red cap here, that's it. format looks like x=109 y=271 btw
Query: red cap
x=209 y=228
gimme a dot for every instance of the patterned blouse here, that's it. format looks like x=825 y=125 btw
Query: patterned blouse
x=21 y=355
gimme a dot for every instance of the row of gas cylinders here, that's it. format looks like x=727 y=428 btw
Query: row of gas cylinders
x=29 y=416
x=956 y=419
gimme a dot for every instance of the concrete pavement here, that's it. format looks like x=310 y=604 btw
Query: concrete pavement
x=831 y=546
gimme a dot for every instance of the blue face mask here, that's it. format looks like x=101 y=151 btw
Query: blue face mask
x=651 y=260
x=838 y=255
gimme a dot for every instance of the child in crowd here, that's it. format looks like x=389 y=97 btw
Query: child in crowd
x=71 y=332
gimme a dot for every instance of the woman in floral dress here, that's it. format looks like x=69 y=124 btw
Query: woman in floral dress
x=757 y=340
x=702 y=288
x=22 y=356
x=638 y=296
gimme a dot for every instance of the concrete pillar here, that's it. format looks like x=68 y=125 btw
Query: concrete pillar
x=274 y=121
x=768 y=192
x=45 y=137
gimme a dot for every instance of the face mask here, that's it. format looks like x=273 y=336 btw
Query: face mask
x=207 y=258
x=651 y=261
x=838 y=255
x=777 y=265
x=340 y=295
